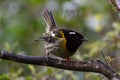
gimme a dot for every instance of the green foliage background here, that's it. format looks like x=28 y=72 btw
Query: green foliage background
x=21 y=22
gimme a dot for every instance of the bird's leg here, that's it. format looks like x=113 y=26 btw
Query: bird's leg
x=68 y=59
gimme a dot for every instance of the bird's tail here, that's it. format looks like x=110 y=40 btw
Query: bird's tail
x=49 y=19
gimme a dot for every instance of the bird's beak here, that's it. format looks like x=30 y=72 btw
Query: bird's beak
x=85 y=39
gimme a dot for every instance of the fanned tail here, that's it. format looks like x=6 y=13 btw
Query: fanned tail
x=49 y=19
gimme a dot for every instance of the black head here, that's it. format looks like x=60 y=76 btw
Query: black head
x=74 y=39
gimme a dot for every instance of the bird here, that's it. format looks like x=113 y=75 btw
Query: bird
x=60 y=42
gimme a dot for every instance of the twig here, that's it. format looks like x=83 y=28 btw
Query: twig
x=104 y=57
x=115 y=5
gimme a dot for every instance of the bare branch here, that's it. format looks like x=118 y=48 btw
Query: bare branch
x=116 y=6
x=96 y=66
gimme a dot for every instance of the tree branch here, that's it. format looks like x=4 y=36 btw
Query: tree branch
x=96 y=66
x=116 y=6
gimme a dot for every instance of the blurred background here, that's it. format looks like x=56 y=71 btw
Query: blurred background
x=21 y=22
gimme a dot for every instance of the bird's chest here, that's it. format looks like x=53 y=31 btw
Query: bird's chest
x=57 y=49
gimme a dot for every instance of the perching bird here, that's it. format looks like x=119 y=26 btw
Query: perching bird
x=60 y=42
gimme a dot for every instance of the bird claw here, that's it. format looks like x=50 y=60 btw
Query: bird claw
x=69 y=59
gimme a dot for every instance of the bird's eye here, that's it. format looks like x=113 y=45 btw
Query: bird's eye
x=76 y=36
